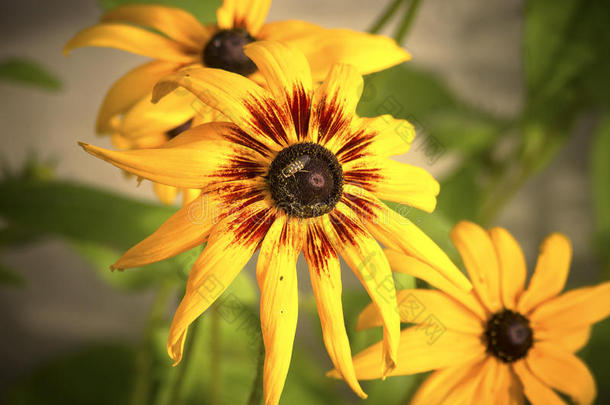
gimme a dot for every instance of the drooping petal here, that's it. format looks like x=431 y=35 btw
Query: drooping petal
x=512 y=266
x=187 y=228
x=130 y=89
x=577 y=308
x=481 y=261
x=247 y=14
x=367 y=52
x=166 y=194
x=440 y=385
x=287 y=74
x=276 y=273
x=172 y=21
x=550 y=274
x=193 y=165
x=239 y=99
x=537 y=392
x=145 y=117
x=232 y=243
x=421 y=349
x=131 y=39
x=393 y=181
x=399 y=262
x=325 y=275
x=562 y=371
x=366 y=259
x=422 y=306
x=399 y=233
x=334 y=107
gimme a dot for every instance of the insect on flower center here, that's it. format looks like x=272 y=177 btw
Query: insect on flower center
x=508 y=335
x=305 y=180
x=225 y=50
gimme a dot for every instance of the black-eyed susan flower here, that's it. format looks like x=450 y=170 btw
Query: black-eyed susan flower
x=296 y=170
x=175 y=39
x=501 y=341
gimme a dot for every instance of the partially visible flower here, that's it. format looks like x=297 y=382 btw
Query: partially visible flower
x=501 y=341
x=175 y=39
x=297 y=170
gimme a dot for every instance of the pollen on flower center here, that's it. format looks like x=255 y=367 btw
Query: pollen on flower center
x=305 y=180
x=225 y=50
x=508 y=335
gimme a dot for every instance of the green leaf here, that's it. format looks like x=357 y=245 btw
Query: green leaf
x=10 y=277
x=600 y=167
x=97 y=375
x=460 y=195
x=28 y=72
x=79 y=212
x=204 y=10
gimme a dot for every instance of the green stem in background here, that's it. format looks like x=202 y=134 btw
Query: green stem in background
x=405 y=25
x=144 y=357
x=175 y=397
x=256 y=394
x=415 y=383
x=385 y=17
x=215 y=356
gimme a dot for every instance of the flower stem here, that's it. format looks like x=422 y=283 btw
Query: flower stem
x=406 y=23
x=256 y=394
x=383 y=19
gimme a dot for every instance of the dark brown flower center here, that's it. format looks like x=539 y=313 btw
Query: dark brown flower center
x=174 y=132
x=508 y=335
x=305 y=180
x=225 y=50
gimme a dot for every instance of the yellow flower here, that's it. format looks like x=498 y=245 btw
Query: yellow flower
x=296 y=171
x=179 y=41
x=501 y=341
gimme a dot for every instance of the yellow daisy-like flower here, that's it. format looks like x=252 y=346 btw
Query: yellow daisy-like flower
x=181 y=41
x=501 y=341
x=296 y=170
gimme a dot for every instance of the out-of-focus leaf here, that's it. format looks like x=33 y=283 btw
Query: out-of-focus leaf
x=204 y=10
x=98 y=375
x=595 y=355
x=600 y=168
x=10 y=277
x=442 y=122
x=28 y=72
x=460 y=194
x=79 y=212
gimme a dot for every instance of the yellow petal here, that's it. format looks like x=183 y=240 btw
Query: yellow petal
x=195 y=165
x=131 y=39
x=248 y=14
x=166 y=194
x=399 y=233
x=550 y=274
x=130 y=89
x=187 y=228
x=232 y=243
x=334 y=107
x=422 y=306
x=394 y=181
x=441 y=383
x=173 y=22
x=479 y=256
x=512 y=266
x=145 y=117
x=562 y=371
x=577 y=308
x=276 y=273
x=389 y=136
x=496 y=380
x=570 y=339
x=368 y=53
x=366 y=259
x=325 y=275
x=422 y=348
x=399 y=262
x=289 y=80
x=288 y=30
x=239 y=99
x=189 y=195
x=537 y=392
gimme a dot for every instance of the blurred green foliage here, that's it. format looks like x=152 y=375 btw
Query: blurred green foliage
x=204 y=10
x=28 y=72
